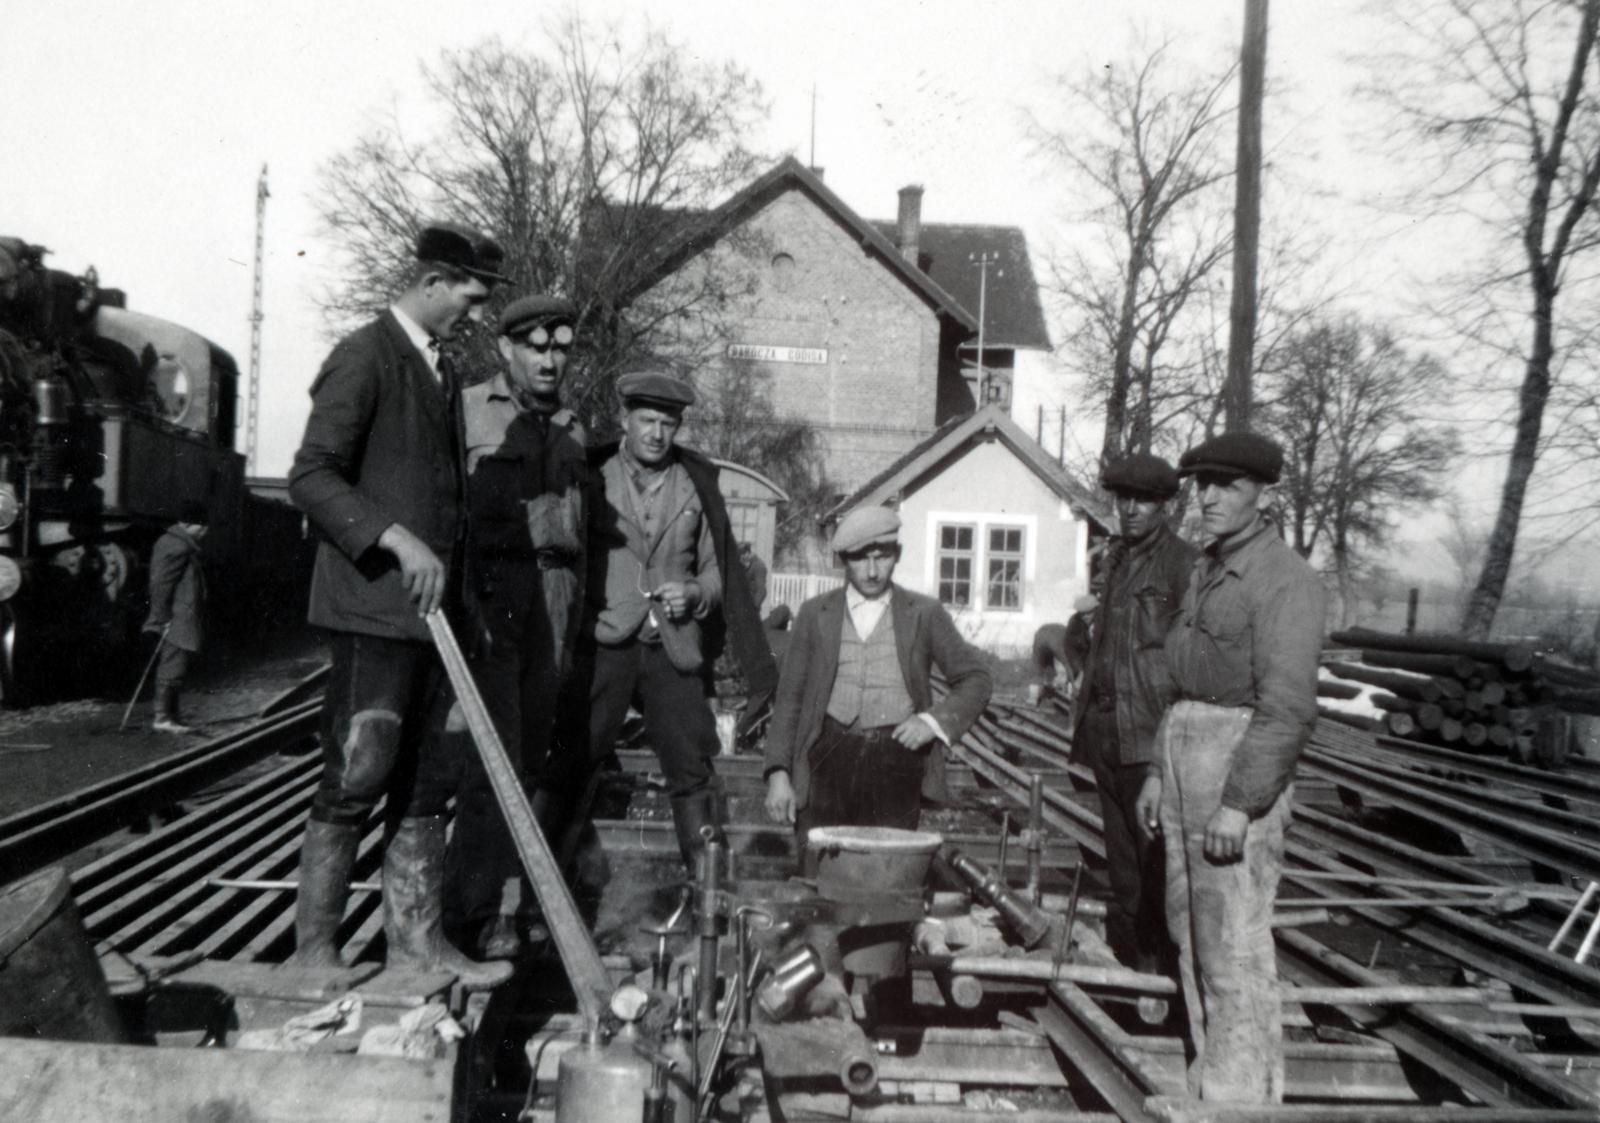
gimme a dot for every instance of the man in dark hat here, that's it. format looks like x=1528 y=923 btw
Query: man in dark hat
x=379 y=474
x=1242 y=655
x=177 y=609
x=664 y=586
x=857 y=738
x=526 y=475
x=1124 y=693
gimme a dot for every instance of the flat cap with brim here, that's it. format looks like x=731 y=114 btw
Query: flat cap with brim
x=865 y=526
x=654 y=390
x=528 y=312
x=1235 y=454
x=1141 y=475
x=471 y=251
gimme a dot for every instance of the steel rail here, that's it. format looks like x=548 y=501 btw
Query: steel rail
x=1548 y=847
x=50 y=831
x=1563 y=784
x=1097 y=1049
x=1512 y=807
x=1483 y=1068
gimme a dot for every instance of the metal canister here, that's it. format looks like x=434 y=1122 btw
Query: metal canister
x=792 y=976
x=606 y=1083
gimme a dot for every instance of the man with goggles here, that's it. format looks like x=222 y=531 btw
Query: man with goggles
x=526 y=477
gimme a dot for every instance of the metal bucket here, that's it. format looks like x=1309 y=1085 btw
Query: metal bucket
x=51 y=984
x=853 y=861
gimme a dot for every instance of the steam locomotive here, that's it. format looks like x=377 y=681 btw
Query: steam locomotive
x=110 y=420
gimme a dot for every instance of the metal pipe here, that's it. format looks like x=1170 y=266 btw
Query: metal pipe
x=1029 y=922
x=707 y=915
x=1044 y=970
x=1035 y=838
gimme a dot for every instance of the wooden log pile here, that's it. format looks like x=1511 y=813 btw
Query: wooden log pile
x=1500 y=698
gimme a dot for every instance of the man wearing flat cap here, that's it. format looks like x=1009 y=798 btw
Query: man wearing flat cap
x=380 y=475
x=1242 y=656
x=177 y=609
x=526 y=476
x=1125 y=691
x=856 y=737
x=664 y=590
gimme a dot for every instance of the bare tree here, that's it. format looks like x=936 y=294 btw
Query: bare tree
x=1501 y=94
x=1148 y=159
x=584 y=156
x=1354 y=410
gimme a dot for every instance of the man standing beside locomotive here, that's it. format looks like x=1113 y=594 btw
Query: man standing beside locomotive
x=526 y=475
x=1125 y=690
x=1243 y=658
x=379 y=475
x=664 y=579
x=856 y=738
x=177 y=609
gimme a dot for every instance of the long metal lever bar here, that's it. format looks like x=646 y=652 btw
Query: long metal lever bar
x=590 y=980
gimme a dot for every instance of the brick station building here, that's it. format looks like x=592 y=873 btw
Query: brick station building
x=866 y=330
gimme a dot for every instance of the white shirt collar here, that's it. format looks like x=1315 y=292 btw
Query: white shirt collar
x=865 y=611
x=419 y=337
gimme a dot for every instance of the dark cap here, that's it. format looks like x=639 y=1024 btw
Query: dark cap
x=1141 y=476
x=194 y=511
x=472 y=251
x=1236 y=454
x=654 y=390
x=528 y=312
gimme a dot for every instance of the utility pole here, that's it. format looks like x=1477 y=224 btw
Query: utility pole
x=253 y=400
x=1237 y=390
x=981 y=262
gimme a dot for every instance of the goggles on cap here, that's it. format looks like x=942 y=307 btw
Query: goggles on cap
x=542 y=338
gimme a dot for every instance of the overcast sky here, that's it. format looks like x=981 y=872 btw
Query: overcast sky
x=133 y=133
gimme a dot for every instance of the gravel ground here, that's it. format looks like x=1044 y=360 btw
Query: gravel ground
x=49 y=750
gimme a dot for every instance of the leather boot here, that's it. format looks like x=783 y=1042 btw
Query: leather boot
x=689 y=814
x=327 y=855
x=167 y=720
x=413 y=911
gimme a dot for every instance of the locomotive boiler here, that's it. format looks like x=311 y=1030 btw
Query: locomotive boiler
x=110 y=419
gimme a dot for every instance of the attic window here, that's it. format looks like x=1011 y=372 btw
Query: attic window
x=782 y=271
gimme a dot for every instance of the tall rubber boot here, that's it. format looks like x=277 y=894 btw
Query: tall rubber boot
x=689 y=814
x=413 y=910
x=327 y=856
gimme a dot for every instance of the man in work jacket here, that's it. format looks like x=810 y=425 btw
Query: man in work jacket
x=856 y=737
x=379 y=474
x=1243 y=658
x=177 y=610
x=527 y=471
x=1125 y=690
x=664 y=587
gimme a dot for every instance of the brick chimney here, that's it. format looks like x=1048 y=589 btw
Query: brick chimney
x=908 y=231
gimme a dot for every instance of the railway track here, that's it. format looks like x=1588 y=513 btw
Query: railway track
x=215 y=884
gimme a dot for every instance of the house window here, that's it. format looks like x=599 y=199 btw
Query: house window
x=955 y=565
x=1004 y=561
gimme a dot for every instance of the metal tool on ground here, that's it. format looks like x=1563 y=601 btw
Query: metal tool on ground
x=591 y=984
x=1031 y=924
x=149 y=666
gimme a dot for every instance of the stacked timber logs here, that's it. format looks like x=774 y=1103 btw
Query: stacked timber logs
x=1471 y=695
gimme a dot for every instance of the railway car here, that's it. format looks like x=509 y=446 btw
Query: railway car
x=110 y=419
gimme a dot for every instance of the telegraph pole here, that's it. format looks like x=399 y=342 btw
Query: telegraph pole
x=1237 y=390
x=982 y=261
x=253 y=400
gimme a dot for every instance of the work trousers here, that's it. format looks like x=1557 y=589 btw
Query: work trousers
x=172 y=667
x=1135 y=865
x=519 y=676
x=677 y=715
x=382 y=732
x=862 y=778
x=1220 y=915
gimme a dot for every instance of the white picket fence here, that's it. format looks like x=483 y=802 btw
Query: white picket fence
x=793 y=589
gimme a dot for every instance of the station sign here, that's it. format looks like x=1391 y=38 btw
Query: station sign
x=816 y=356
